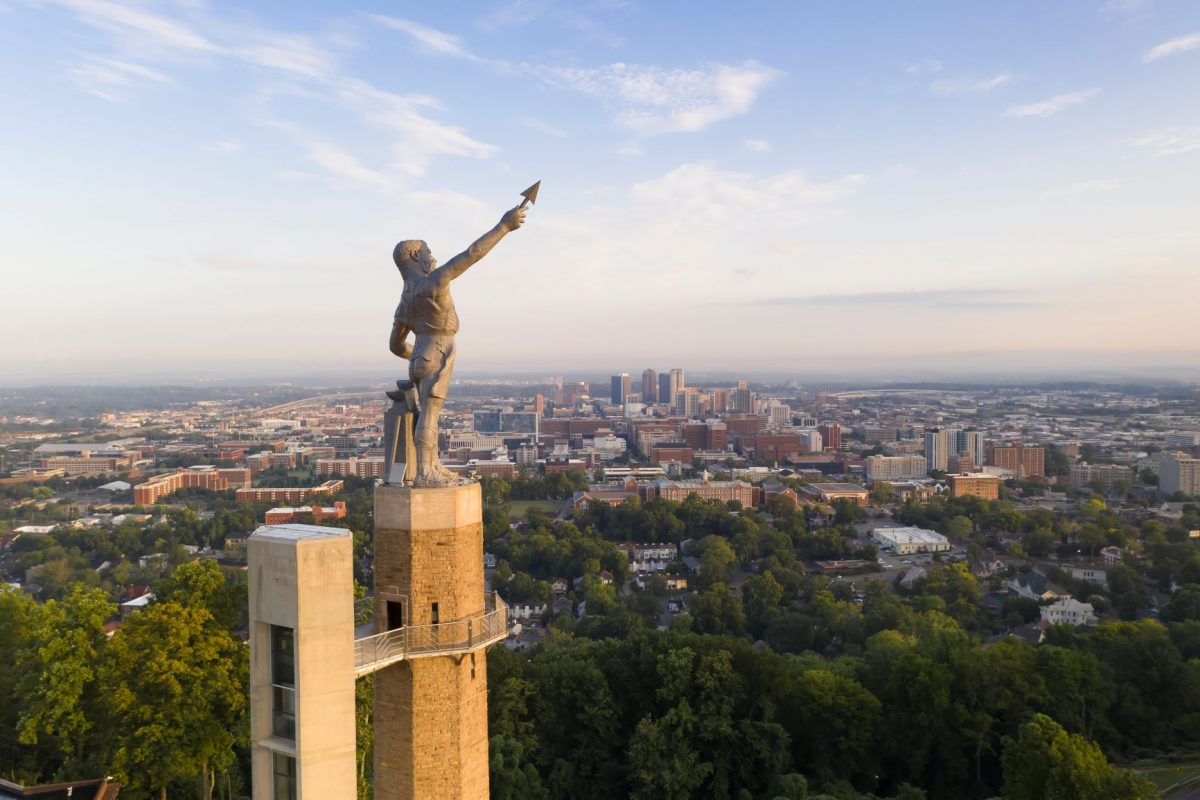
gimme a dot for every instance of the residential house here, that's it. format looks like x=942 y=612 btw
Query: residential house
x=1034 y=586
x=1069 y=612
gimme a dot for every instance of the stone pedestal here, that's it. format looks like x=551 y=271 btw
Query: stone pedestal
x=430 y=712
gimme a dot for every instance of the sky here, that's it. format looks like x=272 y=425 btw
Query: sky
x=200 y=188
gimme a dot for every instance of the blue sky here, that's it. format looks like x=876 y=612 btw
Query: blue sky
x=759 y=185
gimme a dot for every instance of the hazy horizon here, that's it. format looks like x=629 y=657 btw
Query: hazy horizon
x=966 y=369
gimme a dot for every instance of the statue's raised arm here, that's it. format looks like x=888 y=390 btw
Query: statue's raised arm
x=512 y=219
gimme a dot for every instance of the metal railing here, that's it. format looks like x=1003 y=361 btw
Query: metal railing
x=375 y=652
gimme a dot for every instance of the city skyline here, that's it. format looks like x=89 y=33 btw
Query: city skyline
x=198 y=189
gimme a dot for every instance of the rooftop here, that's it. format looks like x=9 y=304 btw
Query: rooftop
x=296 y=531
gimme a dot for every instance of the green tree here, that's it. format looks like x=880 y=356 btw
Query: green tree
x=1184 y=605
x=717 y=559
x=834 y=724
x=177 y=686
x=202 y=584
x=1047 y=763
x=19 y=615
x=717 y=610
x=761 y=595
x=959 y=528
x=60 y=689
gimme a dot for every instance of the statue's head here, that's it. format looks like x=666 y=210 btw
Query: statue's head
x=413 y=258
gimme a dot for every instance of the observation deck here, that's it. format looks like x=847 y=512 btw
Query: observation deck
x=373 y=653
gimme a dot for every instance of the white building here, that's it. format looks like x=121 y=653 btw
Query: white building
x=896 y=468
x=904 y=541
x=812 y=440
x=1182 y=439
x=1069 y=612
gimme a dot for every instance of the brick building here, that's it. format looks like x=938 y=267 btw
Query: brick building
x=1027 y=462
x=679 y=491
x=976 y=484
x=294 y=495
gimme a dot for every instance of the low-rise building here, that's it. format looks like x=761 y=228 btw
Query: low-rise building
x=293 y=495
x=896 y=468
x=975 y=485
x=313 y=515
x=903 y=541
x=829 y=492
x=1083 y=475
x=679 y=491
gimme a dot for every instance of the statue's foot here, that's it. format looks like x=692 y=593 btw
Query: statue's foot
x=436 y=481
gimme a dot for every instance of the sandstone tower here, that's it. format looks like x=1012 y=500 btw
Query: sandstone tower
x=431 y=708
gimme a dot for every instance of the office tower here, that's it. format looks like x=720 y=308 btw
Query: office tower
x=649 y=387
x=620 y=388
x=677 y=386
x=778 y=414
x=1179 y=473
x=831 y=433
x=811 y=440
x=937 y=449
x=665 y=396
x=969 y=443
x=742 y=402
x=688 y=401
x=720 y=401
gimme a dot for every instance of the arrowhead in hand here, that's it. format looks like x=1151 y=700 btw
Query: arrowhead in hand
x=530 y=194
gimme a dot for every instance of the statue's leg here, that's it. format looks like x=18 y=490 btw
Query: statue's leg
x=430 y=472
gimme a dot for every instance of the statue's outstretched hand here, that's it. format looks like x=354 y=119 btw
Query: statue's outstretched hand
x=514 y=218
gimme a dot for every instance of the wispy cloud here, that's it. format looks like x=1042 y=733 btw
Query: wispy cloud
x=1122 y=6
x=926 y=66
x=949 y=86
x=333 y=159
x=935 y=298
x=757 y=145
x=223 y=146
x=568 y=15
x=296 y=55
x=1177 y=45
x=111 y=78
x=1052 y=105
x=139 y=29
x=1170 y=141
x=150 y=45
x=431 y=39
x=651 y=100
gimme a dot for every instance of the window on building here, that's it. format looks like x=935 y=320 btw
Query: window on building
x=284 y=777
x=283 y=682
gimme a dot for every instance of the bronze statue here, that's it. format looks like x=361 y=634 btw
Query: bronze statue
x=426 y=310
